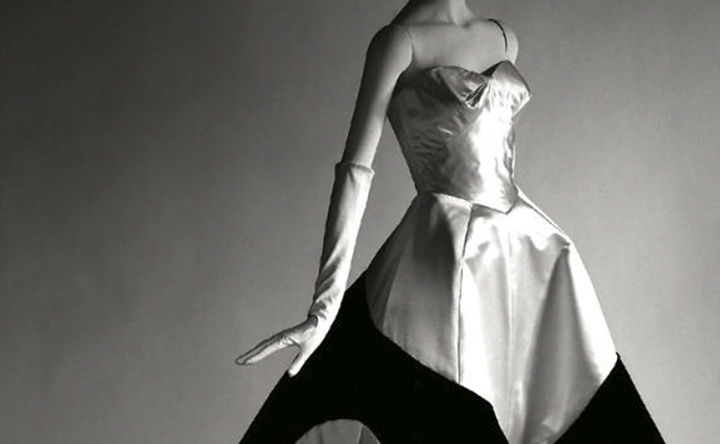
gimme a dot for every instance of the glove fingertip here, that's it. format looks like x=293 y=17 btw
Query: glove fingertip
x=299 y=361
x=294 y=368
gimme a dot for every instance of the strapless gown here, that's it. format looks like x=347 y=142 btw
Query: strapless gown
x=476 y=321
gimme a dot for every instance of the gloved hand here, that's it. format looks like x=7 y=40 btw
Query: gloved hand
x=347 y=205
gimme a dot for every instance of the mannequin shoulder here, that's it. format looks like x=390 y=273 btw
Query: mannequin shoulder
x=390 y=45
x=512 y=40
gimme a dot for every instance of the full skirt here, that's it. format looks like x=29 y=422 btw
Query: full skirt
x=361 y=387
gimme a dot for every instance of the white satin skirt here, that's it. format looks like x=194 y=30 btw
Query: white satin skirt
x=500 y=303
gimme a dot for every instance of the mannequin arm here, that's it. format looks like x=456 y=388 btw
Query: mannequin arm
x=388 y=55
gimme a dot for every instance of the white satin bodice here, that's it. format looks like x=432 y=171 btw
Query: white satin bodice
x=455 y=129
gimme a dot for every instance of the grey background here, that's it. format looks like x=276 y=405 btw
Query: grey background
x=166 y=167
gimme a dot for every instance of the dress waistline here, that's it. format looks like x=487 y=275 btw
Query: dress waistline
x=497 y=204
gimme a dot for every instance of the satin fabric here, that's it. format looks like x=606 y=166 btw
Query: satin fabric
x=476 y=282
x=455 y=130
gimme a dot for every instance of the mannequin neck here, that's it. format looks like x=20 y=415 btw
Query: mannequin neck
x=453 y=11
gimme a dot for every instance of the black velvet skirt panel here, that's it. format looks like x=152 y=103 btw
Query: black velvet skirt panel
x=358 y=373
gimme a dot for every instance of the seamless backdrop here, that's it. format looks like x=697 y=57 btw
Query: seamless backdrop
x=165 y=169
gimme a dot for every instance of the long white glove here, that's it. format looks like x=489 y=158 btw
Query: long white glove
x=347 y=205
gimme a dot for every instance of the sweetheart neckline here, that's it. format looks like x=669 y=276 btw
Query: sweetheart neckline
x=488 y=73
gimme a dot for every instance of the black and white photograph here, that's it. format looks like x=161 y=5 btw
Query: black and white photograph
x=359 y=222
